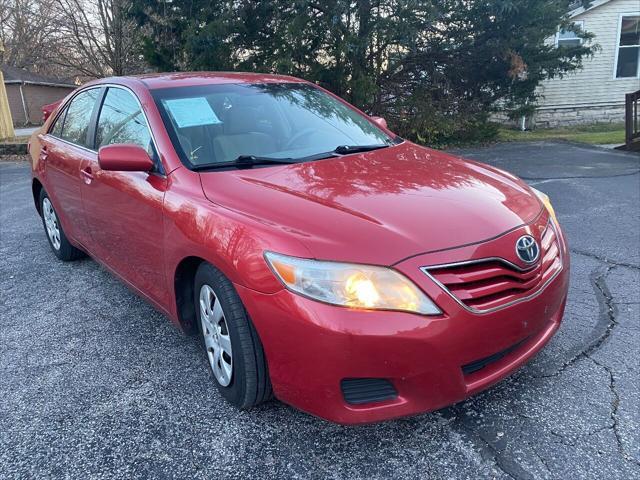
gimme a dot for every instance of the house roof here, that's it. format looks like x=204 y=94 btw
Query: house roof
x=20 y=75
x=594 y=4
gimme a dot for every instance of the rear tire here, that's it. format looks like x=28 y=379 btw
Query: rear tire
x=55 y=234
x=234 y=350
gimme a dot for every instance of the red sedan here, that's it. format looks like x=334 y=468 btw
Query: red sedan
x=322 y=259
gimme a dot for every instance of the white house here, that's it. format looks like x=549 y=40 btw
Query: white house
x=596 y=93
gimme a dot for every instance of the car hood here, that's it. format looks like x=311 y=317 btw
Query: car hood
x=381 y=206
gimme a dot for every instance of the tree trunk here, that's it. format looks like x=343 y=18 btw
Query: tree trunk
x=361 y=82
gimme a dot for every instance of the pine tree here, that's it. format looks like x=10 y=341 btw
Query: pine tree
x=435 y=69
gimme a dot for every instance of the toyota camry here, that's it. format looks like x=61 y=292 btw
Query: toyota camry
x=321 y=259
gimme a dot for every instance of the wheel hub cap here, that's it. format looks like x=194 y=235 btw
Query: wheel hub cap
x=216 y=336
x=51 y=223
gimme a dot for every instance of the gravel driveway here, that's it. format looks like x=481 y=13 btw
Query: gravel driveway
x=96 y=384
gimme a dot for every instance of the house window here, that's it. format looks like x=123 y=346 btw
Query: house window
x=569 y=39
x=628 y=55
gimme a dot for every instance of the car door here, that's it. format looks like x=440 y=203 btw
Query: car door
x=64 y=150
x=124 y=209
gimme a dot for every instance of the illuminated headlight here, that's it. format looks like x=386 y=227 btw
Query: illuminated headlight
x=351 y=285
x=544 y=198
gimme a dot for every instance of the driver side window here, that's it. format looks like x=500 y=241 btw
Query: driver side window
x=122 y=121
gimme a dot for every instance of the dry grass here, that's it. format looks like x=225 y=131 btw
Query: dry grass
x=15 y=158
x=605 y=133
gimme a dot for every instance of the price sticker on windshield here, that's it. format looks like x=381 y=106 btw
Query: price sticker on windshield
x=191 y=112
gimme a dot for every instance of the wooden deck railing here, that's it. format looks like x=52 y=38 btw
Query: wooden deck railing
x=631 y=126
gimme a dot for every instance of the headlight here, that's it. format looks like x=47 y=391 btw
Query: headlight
x=350 y=285
x=544 y=198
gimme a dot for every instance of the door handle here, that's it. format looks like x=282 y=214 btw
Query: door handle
x=43 y=153
x=87 y=174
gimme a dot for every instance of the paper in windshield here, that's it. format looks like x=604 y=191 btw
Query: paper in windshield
x=191 y=112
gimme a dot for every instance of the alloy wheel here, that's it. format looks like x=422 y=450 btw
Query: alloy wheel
x=216 y=335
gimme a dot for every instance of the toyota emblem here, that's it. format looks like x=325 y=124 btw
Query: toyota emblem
x=527 y=249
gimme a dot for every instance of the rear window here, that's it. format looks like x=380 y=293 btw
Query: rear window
x=56 y=131
x=76 y=118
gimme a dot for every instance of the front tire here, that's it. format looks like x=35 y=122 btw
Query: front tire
x=234 y=351
x=55 y=234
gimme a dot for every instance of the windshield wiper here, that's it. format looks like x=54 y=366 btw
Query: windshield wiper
x=249 y=161
x=344 y=149
x=244 y=161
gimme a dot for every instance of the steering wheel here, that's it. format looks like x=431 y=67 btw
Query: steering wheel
x=302 y=133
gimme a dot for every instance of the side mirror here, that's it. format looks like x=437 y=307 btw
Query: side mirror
x=381 y=122
x=124 y=158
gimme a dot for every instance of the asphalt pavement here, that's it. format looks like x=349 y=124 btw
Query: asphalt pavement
x=94 y=383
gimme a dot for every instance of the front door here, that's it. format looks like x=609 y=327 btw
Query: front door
x=124 y=209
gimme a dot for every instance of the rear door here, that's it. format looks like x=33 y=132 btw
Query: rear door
x=64 y=151
x=124 y=209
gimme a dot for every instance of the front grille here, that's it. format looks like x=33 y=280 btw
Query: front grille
x=366 y=390
x=488 y=284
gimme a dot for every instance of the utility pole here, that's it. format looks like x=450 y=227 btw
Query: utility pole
x=6 y=122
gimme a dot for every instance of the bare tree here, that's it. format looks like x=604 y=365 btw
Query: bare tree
x=68 y=38
x=98 y=37
x=29 y=30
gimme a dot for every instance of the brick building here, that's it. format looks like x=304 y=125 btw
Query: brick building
x=28 y=92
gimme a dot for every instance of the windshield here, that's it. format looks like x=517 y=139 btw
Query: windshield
x=220 y=123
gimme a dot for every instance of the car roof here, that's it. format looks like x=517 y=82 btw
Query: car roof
x=184 y=79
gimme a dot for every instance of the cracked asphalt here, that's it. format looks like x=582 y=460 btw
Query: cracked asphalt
x=94 y=383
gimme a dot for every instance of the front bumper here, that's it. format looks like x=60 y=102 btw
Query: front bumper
x=311 y=347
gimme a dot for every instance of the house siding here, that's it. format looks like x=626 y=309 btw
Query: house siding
x=592 y=94
x=36 y=96
x=15 y=105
